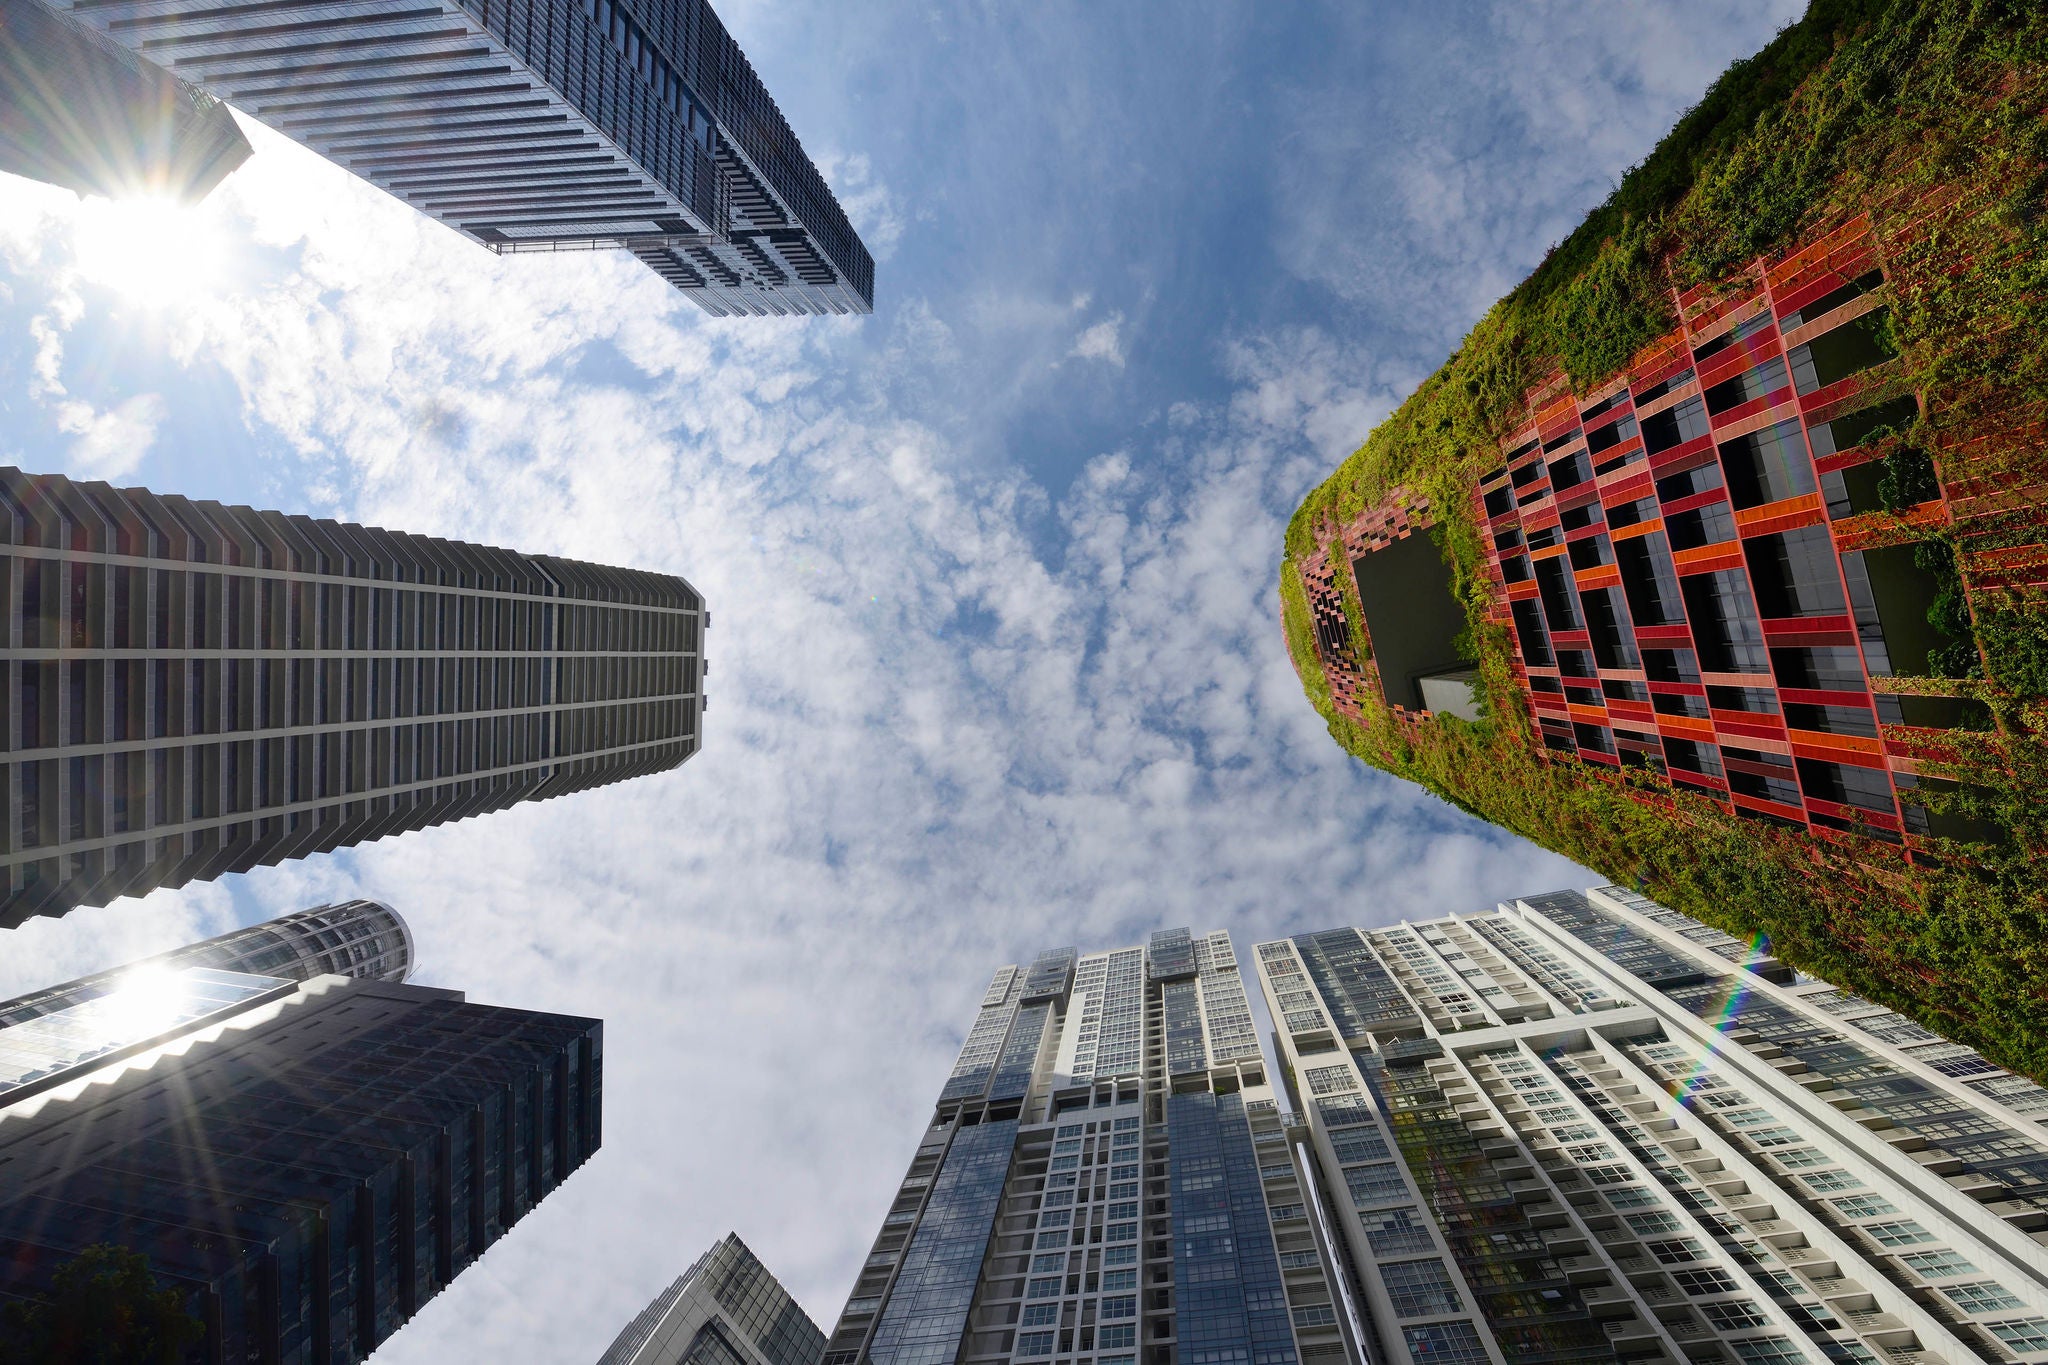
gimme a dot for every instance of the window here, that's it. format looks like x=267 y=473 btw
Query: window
x=1122 y=1232
x=1419 y=1289
x=1126 y=1139
x=1362 y=1146
x=1650 y=1224
x=1112 y=1338
x=1724 y=623
x=1938 y=1265
x=2025 y=1335
x=1120 y=1256
x=1064 y=1163
x=1445 y=1343
x=1315 y=1315
x=1375 y=1184
x=1047 y=1288
x=1630 y=1197
x=1827 y=1182
x=1795 y=573
x=1864 y=1206
x=1681 y=422
x=1766 y=1351
x=1324 y=1079
x=1069 y=1145
x=1707 y=1280
x=1746 y=387
x=1734 y=1315
x=1676 y=1251
x=1767 y=466
x=1120 y=1279
x=1285 y=1211
x=1393 y=1231
x=1126 y=1125
x=1124 y=1306
x=1903 y=1233
x=1041 y=1315
x=1981 y=1297
x=1051 y=1239
x=1035 y=1343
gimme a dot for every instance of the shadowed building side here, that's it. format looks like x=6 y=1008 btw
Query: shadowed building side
x=539 y=125
x=79 y=111
x=725 y=1310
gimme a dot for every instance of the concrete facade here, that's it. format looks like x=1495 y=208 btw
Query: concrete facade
x=194 y=689
x=1584 y=1127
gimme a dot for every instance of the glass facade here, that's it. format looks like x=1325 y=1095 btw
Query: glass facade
x=540 y=125
x=725 y=1310
x=79 y=111
x=310 y=1174
x=1106 y=1180
x=351 y=938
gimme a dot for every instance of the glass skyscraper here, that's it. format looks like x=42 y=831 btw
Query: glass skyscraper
x=1106 y=1173
x=539 y=125
x=83 y=112
x=359 y=938
x=725 y=1310
x=304 y=1163
x=193 y=689
x=1586 y=1128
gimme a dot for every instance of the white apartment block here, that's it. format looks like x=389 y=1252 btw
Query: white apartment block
x=1583 y=1127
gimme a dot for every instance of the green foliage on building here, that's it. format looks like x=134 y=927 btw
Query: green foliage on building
x=1931 y=118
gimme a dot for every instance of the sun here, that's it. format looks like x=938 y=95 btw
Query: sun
x=147 y=1001
x=149 y=249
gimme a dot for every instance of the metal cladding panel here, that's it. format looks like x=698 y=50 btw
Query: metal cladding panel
x=925 y=1319
x=1634 y=952
x=1171 y=955
x=1050 y=977
x=1231 y=1298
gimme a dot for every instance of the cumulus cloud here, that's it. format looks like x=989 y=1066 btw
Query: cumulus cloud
x=112 y=443
x=1102 y=341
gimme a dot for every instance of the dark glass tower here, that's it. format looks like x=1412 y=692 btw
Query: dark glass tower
x=193 y=689
x=304 y=1163
x=539 y=125
x=79 y=111
x=1107 y=1177
x=362 y=939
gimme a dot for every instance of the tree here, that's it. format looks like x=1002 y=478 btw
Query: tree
x=104 y=1308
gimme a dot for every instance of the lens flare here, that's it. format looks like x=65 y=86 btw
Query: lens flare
x=151 y=250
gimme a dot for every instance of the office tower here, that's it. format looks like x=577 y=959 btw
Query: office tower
x=1583 y=1127
x=725 y=1310
x=82 y=112
x=196 y=689
x=1106 y=1176
x=364 y=939
x=540 y=125
x=304 y=1162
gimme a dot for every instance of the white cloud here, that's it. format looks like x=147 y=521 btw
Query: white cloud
x=1102 y=341
x=110 y=444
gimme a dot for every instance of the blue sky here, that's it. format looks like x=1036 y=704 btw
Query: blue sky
x=996 y=663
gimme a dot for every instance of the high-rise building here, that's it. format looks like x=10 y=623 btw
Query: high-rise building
x=1106 y=1175
x=304 y=1162
x=1585 y=1128
x=362 y=939
x=540 y=125
x=80 y=111
x=194 y=689
x=725 y=1310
